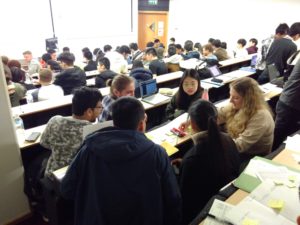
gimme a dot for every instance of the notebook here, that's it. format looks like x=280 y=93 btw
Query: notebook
x=149 y=93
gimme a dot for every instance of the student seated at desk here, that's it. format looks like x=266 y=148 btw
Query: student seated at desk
x=105 y=72
x=220 y=52
x=91 y=64
x=157 y=67
x=140 y=74
x=121 y=85
x=173 y=57
x=16 y=91
x=47 y=89
x=189 y=91
x=248 y=119
x=210 y=164
x=63 y=135
x=241 y=50
x=208 y=54
x=120 y=176
x=72 y=76
x=189 y=51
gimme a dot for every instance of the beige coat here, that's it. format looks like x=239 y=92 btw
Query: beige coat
x=257 y=138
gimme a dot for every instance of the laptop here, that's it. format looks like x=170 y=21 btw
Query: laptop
x=251 y=68
x=215 y=72
x=149 y=93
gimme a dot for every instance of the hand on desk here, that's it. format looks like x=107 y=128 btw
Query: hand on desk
x=183 y=126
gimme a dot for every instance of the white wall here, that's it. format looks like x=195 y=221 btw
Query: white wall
x=201 y=20
x=13 y=202
x=78 y=24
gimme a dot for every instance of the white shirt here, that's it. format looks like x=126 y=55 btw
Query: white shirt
x=117 y=62
x=240 y=52
x=51 y=91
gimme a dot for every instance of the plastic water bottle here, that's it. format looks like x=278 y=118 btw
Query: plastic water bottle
x=19 y=125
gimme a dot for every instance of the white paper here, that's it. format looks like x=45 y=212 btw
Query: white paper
x=293 y=143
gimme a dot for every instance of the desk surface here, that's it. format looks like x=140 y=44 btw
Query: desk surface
x=233 y=61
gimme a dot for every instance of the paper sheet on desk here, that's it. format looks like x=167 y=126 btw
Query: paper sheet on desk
x=218 y=210
x=256 y=206
x=268 y=87
x=293 y=143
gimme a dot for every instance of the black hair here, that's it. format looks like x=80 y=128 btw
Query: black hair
x=198 y=46
x=85 y=98
x=182 y=99
x=242 y=42
x=46 y=57
x=66 y=49
x=171 y=50
x=211 y=40
x=204 y=115
x=188 y=45
x=216 y=43
x=156 y=40
x=127 y=113
x=107 y=48
x=17 y=75
x=86 y=49
x=223 y=45
x=150 y=44
x=105 y=62
x=67 y=57
x=254 y=40
x=96 y=50
x=178 y=46
x=282 y=29
x=51 y=51
x=137 y=64
x=133 y=46
x=294 y=29
x=88 y=55
x=124 y=49
x=172 y=39
x=151 y=51
x=54 y=66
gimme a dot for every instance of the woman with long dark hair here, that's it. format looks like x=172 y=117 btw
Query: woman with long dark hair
x=189 y=91
x=210 y=164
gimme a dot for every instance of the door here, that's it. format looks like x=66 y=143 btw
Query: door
x=152 y=25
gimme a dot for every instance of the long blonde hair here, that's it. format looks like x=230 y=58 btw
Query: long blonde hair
x=253 y=100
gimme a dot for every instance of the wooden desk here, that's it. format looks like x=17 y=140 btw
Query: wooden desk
x=162 y=80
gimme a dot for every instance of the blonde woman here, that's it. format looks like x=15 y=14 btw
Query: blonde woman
x=248 y=119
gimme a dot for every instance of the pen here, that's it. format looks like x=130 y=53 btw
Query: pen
x=219 y=220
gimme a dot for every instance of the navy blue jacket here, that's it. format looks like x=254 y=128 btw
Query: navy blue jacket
x=121 y=177
x=140 y=75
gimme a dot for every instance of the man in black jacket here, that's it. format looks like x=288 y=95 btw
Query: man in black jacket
x=105 y=73
x=71 y=77
x=121 y=177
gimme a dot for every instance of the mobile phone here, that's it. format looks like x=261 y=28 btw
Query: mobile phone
x=178 y=132
x=33 y=136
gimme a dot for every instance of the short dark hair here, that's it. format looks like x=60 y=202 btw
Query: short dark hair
x=133 y=46
x=11 y=63
x=282 y=28
x=294 y=29
x=178 y=46
x=18 y=75
x=127 y=113
x=211 y=40
x=96 y=50
x=171 y=50
x=51 y=51
x=107 y=48
x=224 y=45
x=172 y=39
x=54 y=65
x=85 y=98
x=86 y=49
x=137 y=64
x=151 y=51
x=67 y=57
x=66 y=49
x=254 y=40
x=242 y=42
x=149 y=44
x=156 y=40
x=46 y=57
x=216 y=43
x=88 y=55
x=188 y=45
x=198 y=46
x=105 y=62
x=124 y=49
